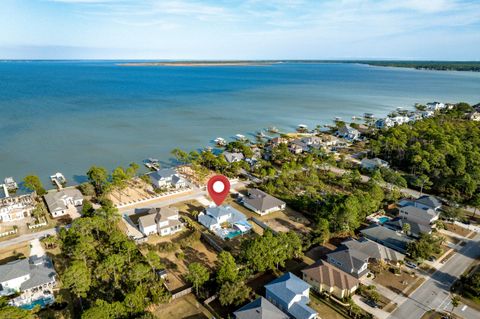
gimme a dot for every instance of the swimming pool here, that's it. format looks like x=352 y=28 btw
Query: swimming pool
x=43 y=302
x=383 y=219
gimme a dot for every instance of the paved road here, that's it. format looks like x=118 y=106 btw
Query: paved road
x=27 y=237
x=434 y=293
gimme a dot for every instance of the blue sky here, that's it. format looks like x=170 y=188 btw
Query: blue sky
x=233 y=29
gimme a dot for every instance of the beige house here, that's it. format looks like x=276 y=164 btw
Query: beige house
x=325 y=277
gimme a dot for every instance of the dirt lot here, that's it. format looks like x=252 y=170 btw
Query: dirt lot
x=398 y=284
x=457 y=229
x=184 y=307
x=14 y=252
x=324 y=311
x=177 y=261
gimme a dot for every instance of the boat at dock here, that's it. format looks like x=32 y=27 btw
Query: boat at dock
x=338 y=119
x=302 y=128
x=152 y=163
x=260 y=134
x=220 y=141
x=58 y=179
x=368 y=115
x=240 y=137
x=273 y=129
x=10 y=183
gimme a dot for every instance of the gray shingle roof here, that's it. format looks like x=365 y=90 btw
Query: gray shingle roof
x=373 y=250
x=55 y=199
x=231 y=157
x=387 y=237
x=261 y=200
x=14 y=269
x=350 y=259
x=430 y=201
x=415 y=228
x=260 y=308
x=156 y=215
x=162 y=174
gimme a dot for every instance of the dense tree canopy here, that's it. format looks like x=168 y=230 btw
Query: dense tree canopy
x=442 y=152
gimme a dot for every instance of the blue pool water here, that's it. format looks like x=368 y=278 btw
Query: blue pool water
x=42 y=302
x=383 y=219
x=233 y=234
x=68 y=115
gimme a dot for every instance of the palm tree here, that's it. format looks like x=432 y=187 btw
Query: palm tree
x=406 y=228
x=455 y=303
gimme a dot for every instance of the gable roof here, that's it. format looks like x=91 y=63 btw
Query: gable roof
x=55 y=199
x=14 y=269
x=230 y=157
x=260 y=308
x=350 y=259
x=161 y=174
x=415 y=210
x=262 y=201
x=415 y=228
x=328 y=274
x=430 y=201
x=156 y=215
x=287 y=286
x=373 y=249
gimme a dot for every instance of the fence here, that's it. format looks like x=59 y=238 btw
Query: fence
x=212 y=242
x=263 y=225
x=7 y=233
x=37 y=225
x=182 y=293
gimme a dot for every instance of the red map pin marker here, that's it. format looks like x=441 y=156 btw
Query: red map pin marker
x=218 y=187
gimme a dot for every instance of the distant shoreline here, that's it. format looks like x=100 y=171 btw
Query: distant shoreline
x=200 y=63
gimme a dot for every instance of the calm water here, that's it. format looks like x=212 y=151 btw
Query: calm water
x=66 y=116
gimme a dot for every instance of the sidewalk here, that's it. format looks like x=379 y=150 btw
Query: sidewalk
x=396 y=298
x=378 y=313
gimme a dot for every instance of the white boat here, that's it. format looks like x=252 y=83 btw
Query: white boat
x=273 y=129
x=220 y=141
x=10 y=183
x=240 y=137
x=338 y=119
x=302 y=128
x=58 y=178
x=368 y=115
x=152 y=163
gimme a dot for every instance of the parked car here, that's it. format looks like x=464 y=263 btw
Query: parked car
x=371 y=303
x=409 y=264
x=432 y=258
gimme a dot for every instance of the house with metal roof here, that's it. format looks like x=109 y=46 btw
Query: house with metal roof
x=261 y=202
x=167 y=178
x=31 y=277
x=260 y=308
x=325 y=277
x=291 y=295
x=59 y=202
x=162 y=221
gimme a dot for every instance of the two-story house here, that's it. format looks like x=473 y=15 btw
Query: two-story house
x=420 y=215
x=16 y=207
x=291 y=295
x=352 y=262
x=167 y=178
x=59 y=202
x=32 y=278
x=162 y=221
x=224 y=220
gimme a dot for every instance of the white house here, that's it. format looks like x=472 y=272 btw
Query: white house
x=420 y=215
x=373 y=163
x=224 y=220
x=162 y=221
x=167 y=178
x=435 y=106
x=59 y=202
x=31 y=277
x=291 y=295
x=349 y=133
x=384 y=123
x=261 y=202
x=17 y=207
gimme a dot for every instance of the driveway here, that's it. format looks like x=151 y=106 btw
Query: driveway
x=435 y=292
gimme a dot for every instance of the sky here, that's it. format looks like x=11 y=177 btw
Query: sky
x=234 y=29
